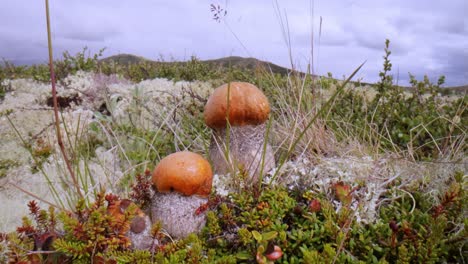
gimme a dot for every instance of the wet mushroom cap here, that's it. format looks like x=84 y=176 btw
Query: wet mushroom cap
x=184 y=172
x=247 y=105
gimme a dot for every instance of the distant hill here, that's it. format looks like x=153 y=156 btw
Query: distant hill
x=458 y=89
x=124 y=59
x=247 y=63
x=227 y=62
x=244 y=63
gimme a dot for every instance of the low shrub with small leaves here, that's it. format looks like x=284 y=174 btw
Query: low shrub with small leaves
x=309 y=228
x=89 y=234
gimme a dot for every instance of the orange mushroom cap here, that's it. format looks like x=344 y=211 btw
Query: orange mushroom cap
x=185 y=172
x=247 y=105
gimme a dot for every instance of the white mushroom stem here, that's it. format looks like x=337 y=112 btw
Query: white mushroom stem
x=176 y=212
x=243 y=153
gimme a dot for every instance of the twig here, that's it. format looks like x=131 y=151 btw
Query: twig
x=41 y=252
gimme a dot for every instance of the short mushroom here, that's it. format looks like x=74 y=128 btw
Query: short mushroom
x=183 y=182
x=247 y=109
x=140 y=226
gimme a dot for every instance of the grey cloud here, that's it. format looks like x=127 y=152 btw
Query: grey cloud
x=455 y=64
x=352 y=32
x=84 y=34
x=87 y=23
x=447 y=61
x=369 y=41
x=333 y=33
x=455 y=26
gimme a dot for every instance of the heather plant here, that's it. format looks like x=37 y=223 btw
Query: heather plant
x=9 y=71
x=86 y=234
x=190 y=70
x=67 y=65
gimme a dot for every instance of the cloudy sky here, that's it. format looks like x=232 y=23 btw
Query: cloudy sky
x=427 y=36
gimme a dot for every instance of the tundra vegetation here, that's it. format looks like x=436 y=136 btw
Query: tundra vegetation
x=364 y=173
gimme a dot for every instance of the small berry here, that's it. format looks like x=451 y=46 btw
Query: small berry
x=315 y=206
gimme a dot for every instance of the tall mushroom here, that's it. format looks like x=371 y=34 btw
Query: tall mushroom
x=183 y=182
x=247 y=109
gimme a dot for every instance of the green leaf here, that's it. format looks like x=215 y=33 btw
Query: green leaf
x=243 y=255
x=257 y=236
x=269 y=235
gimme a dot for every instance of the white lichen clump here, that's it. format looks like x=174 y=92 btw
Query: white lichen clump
x=150 y=102
x=364 y=173
x=371 y=178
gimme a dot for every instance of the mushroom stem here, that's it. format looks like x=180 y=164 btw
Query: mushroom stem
x=243 y=153
x=177 y=214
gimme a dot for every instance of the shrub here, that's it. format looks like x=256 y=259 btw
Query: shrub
x=422 y=124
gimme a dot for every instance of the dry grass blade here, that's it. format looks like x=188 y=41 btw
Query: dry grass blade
x=54 y=96
x=328 y=105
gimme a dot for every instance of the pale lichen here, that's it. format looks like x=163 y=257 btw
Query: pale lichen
x=101 y=167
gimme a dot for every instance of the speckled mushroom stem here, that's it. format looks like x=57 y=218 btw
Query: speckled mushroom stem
x=246 y=151
x=177 y=213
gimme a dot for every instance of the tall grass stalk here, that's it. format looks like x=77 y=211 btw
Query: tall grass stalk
x=264 y=151
x=54 y=96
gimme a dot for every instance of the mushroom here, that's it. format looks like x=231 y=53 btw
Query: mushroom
x=247 y=109
x=183 y=182
x=140 y=226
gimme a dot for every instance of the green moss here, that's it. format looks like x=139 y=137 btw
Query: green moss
x=5 y=165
